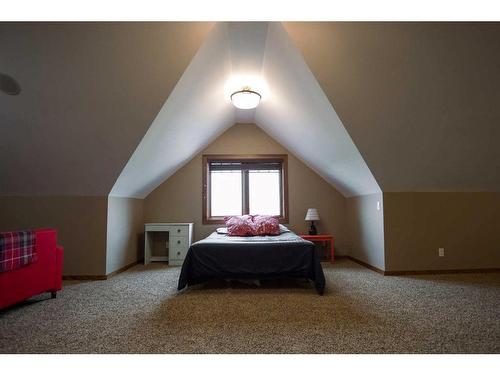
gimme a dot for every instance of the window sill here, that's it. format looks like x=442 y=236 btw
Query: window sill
x=220 y=220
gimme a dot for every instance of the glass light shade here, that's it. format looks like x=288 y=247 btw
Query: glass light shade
x=312 y=215
x=245 y=99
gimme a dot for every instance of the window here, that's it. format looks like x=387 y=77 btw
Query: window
x=238 y=185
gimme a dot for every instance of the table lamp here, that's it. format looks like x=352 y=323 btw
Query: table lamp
x=312 y=215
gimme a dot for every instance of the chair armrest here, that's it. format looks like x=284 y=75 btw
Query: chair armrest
x=59 y=267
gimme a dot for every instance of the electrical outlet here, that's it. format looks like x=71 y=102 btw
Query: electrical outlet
x=441 y=251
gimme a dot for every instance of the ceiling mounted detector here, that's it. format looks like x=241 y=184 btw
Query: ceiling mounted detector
x=9 y=85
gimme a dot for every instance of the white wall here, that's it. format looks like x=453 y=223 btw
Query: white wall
x=366 y=229
x=124 y=232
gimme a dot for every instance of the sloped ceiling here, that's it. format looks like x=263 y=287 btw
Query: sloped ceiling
x=420 y=100
x=89 y=93
x=193 y=115
x=300 y=117
x=294 y=111
x=118 y=107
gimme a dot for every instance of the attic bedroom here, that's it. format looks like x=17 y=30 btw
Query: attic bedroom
x=249 y=187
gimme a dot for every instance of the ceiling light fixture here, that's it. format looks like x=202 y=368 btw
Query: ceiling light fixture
x=245 y=98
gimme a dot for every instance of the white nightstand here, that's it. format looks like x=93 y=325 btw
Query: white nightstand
x=180 y=237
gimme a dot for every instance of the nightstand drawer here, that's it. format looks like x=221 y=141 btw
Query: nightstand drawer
x=178 y=243
x=178 y=231
x=178 y=253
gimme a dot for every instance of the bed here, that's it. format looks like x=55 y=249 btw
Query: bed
x=220 y=256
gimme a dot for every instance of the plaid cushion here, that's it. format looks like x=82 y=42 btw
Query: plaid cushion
x=17 y=249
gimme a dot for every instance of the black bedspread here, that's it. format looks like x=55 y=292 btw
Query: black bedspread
x=262 y=257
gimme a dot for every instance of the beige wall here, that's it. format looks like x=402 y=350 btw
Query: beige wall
x=366 y=229
x=467 y=225
x=80 y=221
x=179 y=198
x=124 y=232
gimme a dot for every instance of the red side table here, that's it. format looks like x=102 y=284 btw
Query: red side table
x=322 y=238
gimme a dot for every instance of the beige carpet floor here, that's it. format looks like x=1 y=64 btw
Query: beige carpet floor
x=139 y=311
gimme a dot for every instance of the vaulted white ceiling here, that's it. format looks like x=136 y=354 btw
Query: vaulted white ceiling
x=294 y=110
x=420 y=101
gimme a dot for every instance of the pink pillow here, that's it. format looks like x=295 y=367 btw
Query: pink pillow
x=239 y=225
x=265 y=224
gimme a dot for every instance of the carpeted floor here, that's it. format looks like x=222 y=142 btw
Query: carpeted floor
x=139 y=311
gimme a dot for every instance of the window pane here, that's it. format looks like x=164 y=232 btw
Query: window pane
x=264 y=192
x=225 y=195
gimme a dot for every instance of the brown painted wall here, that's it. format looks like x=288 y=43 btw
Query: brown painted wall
x=125 y=230
x=179 y=198
x=467 y=225
x=81 y=224
x=366 y=229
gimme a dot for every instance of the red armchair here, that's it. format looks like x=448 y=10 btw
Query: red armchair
x=44 y=275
